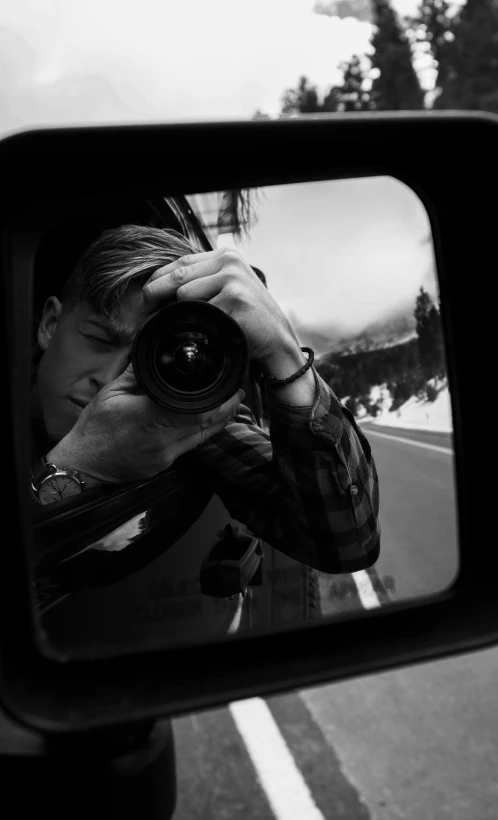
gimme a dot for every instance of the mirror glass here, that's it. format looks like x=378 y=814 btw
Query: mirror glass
x=169 y=508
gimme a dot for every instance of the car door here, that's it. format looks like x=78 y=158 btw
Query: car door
x=205 y=576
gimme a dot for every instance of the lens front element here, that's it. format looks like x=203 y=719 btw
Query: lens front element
x=190 y=357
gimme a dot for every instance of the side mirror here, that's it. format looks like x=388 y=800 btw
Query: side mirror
x=84 y=671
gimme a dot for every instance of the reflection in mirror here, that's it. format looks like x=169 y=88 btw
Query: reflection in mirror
x=240 y=414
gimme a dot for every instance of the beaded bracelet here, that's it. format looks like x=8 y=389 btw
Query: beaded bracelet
x=274 y=382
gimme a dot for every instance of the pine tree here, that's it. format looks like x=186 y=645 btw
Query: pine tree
x=396 y=86
x=431 y=26
x=332 y=101
x=468 y=59
x=352 y=94
x=301 y=100
x=430 y=336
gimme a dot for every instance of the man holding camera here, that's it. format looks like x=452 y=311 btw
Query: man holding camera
x=309 y=487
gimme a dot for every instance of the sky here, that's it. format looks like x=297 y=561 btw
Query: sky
x=340 y=254
x=113 y=61
x=68 y=61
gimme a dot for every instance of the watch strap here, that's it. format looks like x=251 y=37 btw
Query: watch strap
x=38 y=471
x=43 y=469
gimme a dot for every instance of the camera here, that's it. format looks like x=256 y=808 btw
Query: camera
x=190 y=357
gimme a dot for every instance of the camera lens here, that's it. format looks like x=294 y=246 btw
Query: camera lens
x=189 y=360
x=190 y=357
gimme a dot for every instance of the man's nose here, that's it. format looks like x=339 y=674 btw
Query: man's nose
x=109 y=370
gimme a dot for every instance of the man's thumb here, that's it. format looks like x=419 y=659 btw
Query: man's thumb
x=127 y=382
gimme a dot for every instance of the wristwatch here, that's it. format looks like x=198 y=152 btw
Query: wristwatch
x=51 y=483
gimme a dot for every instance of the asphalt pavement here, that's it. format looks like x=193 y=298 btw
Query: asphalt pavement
x=416 y=742
x=419 y=546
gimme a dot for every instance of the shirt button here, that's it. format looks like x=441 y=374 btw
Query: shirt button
x=354 y=489
x=317 y=424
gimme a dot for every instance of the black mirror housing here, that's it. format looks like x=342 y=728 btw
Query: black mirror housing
x=449 y=160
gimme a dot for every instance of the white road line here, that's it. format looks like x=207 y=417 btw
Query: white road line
x=434 y=447
x=283 y=783
x=366 y=592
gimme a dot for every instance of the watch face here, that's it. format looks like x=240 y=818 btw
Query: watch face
x=58 y=487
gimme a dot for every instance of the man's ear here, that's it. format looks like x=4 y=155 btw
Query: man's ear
x=48 y=324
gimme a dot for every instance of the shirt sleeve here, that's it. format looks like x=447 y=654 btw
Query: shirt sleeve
x=309 y=487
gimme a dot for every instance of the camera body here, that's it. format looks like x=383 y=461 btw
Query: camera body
x=190 y=357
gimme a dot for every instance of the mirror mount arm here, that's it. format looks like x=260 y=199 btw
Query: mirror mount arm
x=127 y=771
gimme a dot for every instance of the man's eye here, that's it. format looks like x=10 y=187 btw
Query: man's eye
x=98 y=340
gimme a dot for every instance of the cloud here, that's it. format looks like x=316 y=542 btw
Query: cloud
x=359 y=9
x=73 y=62
x=362 y=9
x=341 y=254
x=118 y=61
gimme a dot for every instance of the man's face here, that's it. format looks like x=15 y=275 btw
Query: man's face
x=82 y=352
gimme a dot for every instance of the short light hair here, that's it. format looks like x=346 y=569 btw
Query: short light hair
x=121 y=258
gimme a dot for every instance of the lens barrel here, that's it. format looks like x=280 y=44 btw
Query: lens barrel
x=190 y=357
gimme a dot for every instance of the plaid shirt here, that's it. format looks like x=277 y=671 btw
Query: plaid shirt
x=309 y=488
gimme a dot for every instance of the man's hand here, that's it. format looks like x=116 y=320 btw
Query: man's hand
x=122 y=436
x=223 y=278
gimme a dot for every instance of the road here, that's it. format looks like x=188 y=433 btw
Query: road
x=419 y=548
x=416 y=742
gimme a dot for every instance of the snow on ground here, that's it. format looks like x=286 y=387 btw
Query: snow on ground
x=414 y=414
